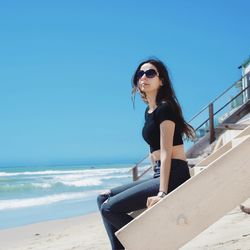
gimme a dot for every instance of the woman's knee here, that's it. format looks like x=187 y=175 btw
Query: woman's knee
x=102 y=197
x=105 y=209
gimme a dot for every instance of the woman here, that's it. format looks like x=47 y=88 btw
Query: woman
x=163 y=130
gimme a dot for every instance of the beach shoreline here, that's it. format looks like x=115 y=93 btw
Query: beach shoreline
x=87 y=232
x=33 y=195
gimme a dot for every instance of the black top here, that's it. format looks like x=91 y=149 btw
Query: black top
x=151 y=129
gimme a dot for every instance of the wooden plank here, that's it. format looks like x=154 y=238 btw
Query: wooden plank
x=244 y=132
x=237 y=141
x=215 y=155
x=196 y=170
x=204 y=163
x=193 y=206
x=233 y=126
x=222 y=149
x=218 y=144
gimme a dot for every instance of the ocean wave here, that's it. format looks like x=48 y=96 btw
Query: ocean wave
x=59 y=172
x=49 y=185
x=58 y=181
x=116 y=177
x=42 y=185
x=31 y=202
x=83 y=183
x=24 y=186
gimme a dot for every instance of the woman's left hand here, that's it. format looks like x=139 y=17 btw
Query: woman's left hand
x=152 y=201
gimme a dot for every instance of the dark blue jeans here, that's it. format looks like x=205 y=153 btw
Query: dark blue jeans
x=121 y=200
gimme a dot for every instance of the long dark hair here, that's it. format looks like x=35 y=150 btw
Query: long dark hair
x=165 y=93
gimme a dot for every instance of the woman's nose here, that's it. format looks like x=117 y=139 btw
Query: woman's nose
x=143 y=76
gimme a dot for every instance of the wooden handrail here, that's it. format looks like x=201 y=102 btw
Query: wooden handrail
x=211 y=122
x=210 y=114
x=222 y=107
x=143 y=173
x=217 y=98
x=135 y=169
x=232 y=99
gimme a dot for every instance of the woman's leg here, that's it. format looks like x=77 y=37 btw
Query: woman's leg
x=103 y=197
x=117 y=207
x=133 y=196
x=115 y=243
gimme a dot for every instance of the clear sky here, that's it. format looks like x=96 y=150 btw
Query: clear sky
x=66 y=68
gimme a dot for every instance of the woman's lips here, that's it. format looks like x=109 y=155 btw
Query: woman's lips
x=143 y=83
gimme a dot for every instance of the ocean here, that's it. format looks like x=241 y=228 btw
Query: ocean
x=34 y=194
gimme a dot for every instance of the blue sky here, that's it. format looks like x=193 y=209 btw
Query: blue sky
x=66 y=68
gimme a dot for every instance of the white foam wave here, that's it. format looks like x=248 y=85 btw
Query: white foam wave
x=42 y=185
x=71 y=180
x=31 y=202
x=81 y=180
x=69 y=177
x=58 y=172
x=83 y=183
x=116 y=177
x=24 y=186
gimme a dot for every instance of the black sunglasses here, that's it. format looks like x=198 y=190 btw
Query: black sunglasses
x=150 y=73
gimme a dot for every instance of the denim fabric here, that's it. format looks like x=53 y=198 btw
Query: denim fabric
x=157 y=167
x=115 y=206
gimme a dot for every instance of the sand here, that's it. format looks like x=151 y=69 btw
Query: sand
x=85 y=232
x=232 y=232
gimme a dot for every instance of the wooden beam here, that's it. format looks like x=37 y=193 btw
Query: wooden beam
x=222 y=149
x=211 y=122
x=233 y=126
x=135 y=173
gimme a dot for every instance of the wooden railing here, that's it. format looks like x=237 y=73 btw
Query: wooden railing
x=210 y=108
x=212 y=114
x=134 y=170
x=210 y=120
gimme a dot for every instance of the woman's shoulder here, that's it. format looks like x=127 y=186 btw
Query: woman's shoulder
x=165 y=106
x=165 y=111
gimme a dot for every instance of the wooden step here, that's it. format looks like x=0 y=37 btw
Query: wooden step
x=223 y=149
x=204 y=163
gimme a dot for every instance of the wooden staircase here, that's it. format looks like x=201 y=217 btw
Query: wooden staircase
x=219 y=183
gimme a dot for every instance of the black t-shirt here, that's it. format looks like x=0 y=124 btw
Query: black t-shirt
x=151 y=129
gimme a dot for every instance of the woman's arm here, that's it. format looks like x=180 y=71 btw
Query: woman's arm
x=167 y=128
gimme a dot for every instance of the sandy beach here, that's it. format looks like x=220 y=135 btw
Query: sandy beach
x=85 y=232
x=232 y=232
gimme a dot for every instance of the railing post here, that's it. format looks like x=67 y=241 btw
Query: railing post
x=135 y=173
x=211 y=122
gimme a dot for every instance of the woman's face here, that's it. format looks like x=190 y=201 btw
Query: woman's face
x=149 y=81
